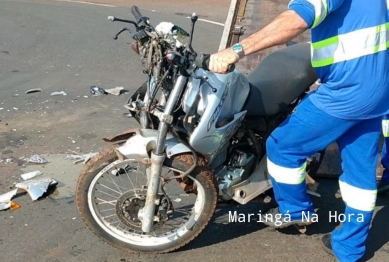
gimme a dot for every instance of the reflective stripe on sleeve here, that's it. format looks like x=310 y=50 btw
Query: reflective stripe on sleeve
x=385 y=127
x=357 y=198
x=352 y=45
x=293 y=176
x=321 y=11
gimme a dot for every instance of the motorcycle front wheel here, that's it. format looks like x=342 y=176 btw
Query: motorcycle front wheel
x=110 y=193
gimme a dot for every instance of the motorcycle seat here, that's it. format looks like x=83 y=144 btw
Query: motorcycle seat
x=279 y=79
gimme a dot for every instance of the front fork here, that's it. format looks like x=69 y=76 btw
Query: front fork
x=157 y=158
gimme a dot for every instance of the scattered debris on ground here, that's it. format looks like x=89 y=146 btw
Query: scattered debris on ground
x=115 y=91
x=35 y=90
x=29 y=175
x=80 y=158
x=37 y=159
x=36 y=188
x=97 y=91
x=63 y=93
x=5 y=199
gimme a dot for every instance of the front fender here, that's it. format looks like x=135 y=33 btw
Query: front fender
x=141 y=141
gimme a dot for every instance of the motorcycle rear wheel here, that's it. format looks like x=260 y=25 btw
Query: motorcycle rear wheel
x=204 y=208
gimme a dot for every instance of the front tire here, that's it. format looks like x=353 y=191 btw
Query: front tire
x=204 y=181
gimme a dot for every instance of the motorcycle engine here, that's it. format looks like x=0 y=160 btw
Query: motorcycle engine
x=238 y=169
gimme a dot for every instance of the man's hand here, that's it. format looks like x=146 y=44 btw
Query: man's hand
x=220 y=61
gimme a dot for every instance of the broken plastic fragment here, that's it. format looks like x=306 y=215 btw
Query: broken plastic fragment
x=33 y=90
x=37 y=159
x=59 y=93
x=97 y=91
x=4 y=206
x=31 y=175
x=14 y=206
x=36 y=188
x=115 y=91
x=5 y=199
x=80 y=158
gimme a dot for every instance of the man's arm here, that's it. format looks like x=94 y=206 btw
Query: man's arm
x=302 y=14
x=282 y=29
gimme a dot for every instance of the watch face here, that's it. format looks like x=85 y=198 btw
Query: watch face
x=237 y=48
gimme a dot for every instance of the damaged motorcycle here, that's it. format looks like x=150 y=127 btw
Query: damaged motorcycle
x=201 y=140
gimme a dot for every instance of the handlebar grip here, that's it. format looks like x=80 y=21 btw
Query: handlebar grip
x=136 y=13
x=202 y=61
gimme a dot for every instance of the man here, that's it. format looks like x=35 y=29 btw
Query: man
x=349 y=54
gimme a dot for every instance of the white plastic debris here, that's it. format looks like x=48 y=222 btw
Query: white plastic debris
x=177 y=200
x=5 y=199
x=31 y=174
x=80 y=158
x=4 y=206
x=36 y=188
x=59 y=93
x=37 y=159
x=114 y=91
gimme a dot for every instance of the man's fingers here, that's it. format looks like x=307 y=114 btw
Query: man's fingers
x=218 y=64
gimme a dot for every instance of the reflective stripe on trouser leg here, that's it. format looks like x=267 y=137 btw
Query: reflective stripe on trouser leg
x=291 y=181
x=359 y=152
x=385 y=149
x=307 y=131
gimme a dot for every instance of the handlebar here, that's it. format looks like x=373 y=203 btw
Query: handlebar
x=137 y=14
x=114 y=19
x=202 y=61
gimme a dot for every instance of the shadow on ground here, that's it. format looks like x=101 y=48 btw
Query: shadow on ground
x=379 y=231
x=221 y=229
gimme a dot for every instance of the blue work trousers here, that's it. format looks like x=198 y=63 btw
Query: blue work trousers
x=307 y=131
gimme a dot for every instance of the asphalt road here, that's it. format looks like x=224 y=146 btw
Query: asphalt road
x=67 y=46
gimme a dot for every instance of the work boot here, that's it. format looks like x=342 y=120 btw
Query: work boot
x=327 y=244
x=274 y=218
x=382 y=187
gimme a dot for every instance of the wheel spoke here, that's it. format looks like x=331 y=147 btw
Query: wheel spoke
x=110 y=189
x=107 y=194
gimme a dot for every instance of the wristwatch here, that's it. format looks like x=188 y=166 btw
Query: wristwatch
x=238 y=49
